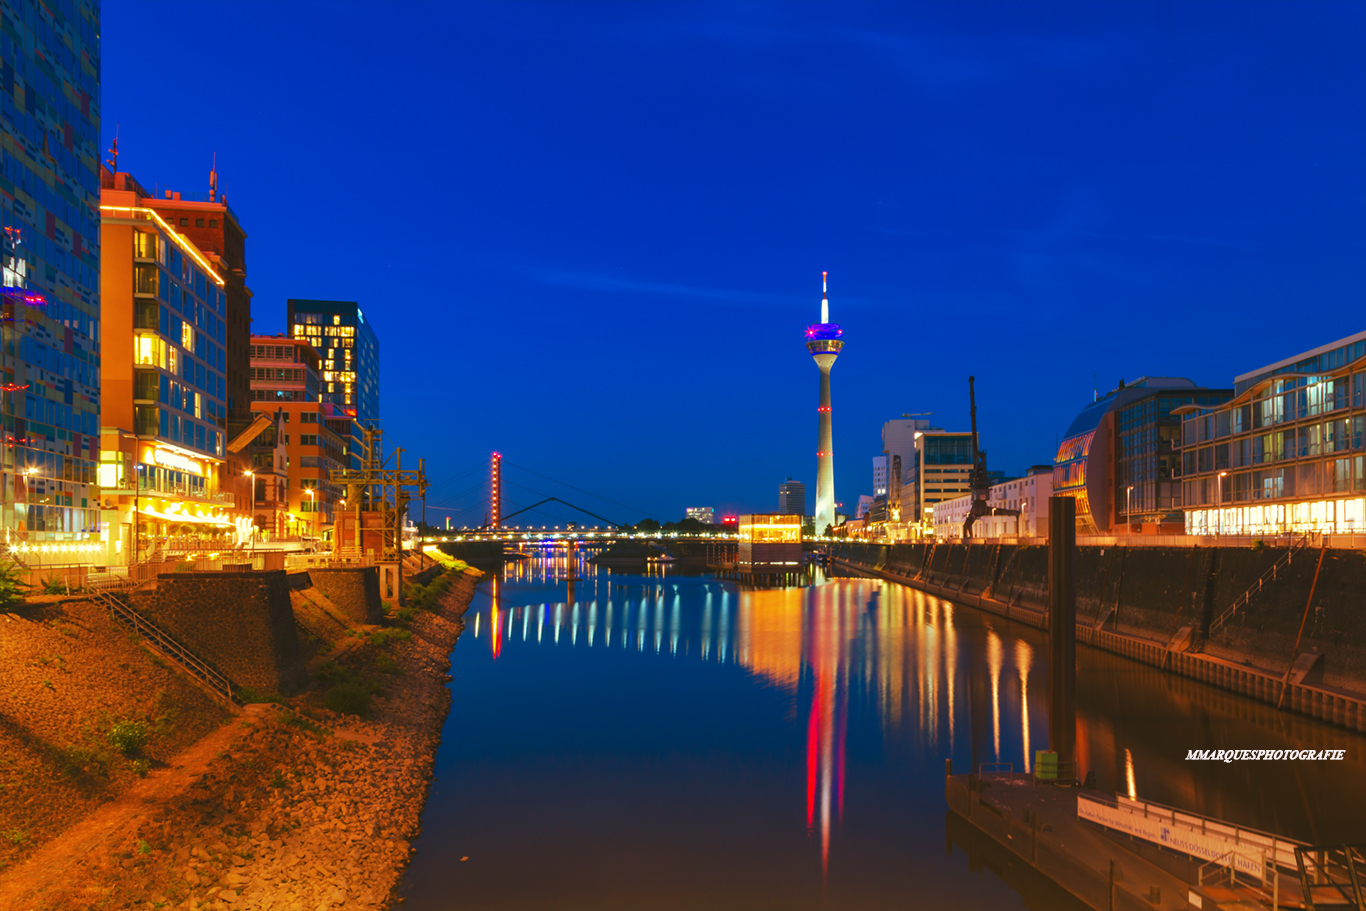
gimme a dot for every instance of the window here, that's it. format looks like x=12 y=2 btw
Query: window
x=184 y=222
x=199 y=222
x=213 y=222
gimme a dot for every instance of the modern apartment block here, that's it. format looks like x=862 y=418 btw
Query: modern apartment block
x=792 y=498
x=285 y=381
x=1287 y=453
x=50 y=262
x=162 y=374
x=349 y=353
x=1119 y=458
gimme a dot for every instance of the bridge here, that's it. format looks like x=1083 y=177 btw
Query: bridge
x=567 y=521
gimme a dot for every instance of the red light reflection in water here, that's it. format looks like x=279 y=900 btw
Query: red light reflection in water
x=826 y=648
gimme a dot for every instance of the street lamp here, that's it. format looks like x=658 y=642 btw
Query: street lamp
x=312 y=508
x=251 y=507
x=1219 y=501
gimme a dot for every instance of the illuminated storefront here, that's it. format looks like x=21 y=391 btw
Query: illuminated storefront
x=770 y=542
x=1287 y=453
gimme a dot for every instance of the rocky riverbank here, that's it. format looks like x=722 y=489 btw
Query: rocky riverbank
x=300 y=807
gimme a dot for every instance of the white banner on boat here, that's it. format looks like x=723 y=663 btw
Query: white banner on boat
x=1164 y=832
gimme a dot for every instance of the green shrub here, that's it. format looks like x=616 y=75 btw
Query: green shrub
x=140 y=767
x=1259 y=544
x=127 y=736
x=12 y=588
x=14 y=836
x=405 y=614
x=278 y=780
x=386 y=665
x=349 y=698
x=53 y=585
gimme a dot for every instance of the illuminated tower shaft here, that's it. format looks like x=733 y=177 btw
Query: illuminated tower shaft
x=495 y=491
x=823 y=341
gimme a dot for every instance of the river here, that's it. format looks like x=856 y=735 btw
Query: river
x=675 y=741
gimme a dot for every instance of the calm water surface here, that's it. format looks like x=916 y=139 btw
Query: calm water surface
x=642 y=742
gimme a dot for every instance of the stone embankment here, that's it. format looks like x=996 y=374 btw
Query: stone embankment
x=298 y=807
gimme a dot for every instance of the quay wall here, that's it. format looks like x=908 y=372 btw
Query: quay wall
x=354 y=590
x=1134 y=600
x=239 y=622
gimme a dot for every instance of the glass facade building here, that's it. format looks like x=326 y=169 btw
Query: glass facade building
x=1287 y=453
x=50 y=262
x=1118 y=458
x=163 y=381
x=349 y=351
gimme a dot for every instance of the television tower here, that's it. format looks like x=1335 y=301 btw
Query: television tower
x=823 y=341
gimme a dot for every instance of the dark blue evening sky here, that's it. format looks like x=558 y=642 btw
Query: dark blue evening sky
x=590 y=236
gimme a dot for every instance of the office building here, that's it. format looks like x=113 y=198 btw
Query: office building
x=702 y=514
x=1028 y=494
x=865 y=504
x=939 y=470
x=792 y=498
x=285 y=380
x=50 y=262
x=1286 y=453
x=1119 y=459
x=349 y=353
x=880 y=476
x=823 y=340
x=162 y=374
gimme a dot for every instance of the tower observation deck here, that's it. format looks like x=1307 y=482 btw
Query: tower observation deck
x=824 y=341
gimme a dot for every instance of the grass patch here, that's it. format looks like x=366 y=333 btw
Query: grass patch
x=381 y=638
x=14 y=836
x=386 y=665
x=348 y=692
x=250 y=695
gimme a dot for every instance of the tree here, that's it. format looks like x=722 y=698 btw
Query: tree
x=647 y=525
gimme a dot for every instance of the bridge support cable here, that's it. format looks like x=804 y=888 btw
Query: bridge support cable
x=611 y=522
x=581 y=490
x=457 y=477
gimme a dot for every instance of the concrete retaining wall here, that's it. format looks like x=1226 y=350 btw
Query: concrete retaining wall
x=239 y=622
x=1132 y=600
x=353 y=589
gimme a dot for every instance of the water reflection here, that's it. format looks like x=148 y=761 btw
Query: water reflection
x=730 y=716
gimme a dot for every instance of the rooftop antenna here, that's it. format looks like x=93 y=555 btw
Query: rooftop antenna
x=825 y=303
x=213 y=177
x=113 y=160
x=1095 y=386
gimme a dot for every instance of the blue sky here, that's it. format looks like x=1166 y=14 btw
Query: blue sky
x=590 y=235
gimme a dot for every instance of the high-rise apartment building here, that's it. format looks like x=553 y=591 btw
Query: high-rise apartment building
x=285 y=380
x=349 y=352
x=879 y=476
x=162 y=373
x=792 y=498
x=50 y=262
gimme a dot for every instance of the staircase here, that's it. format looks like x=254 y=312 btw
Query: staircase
x=1256 y=587
x=114 y=598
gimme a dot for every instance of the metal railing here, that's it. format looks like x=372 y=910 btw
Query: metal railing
x=1332 y=875
x=112 y=599
x=1256 y=587
x=1223 y=870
